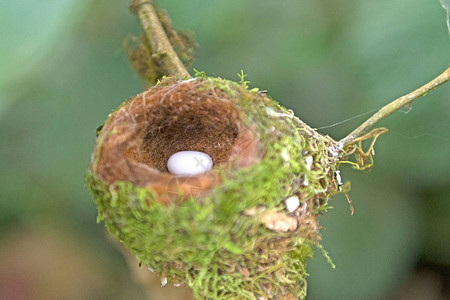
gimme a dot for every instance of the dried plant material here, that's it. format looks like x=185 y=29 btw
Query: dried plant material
x=363 y=159
x=278 y=221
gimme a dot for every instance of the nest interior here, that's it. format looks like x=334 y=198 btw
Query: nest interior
x=142 y=134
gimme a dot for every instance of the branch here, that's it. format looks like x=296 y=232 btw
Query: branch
x=394 y=106
x=162 y=51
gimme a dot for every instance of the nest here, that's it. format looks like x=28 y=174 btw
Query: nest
x=226 y=233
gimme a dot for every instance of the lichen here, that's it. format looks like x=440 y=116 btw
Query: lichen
x=209 y=242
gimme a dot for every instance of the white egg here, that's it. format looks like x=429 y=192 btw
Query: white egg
x=187 y=163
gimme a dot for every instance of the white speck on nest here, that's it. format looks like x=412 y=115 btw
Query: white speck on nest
x=309 y=161
x=163 y=281
x=320 y=191
x=273 y=113
x=278 y=221
x=254 y=211
x=292 y=203
x=285 y=154
x=337 y=173
x=304 y=207
x=305 y=180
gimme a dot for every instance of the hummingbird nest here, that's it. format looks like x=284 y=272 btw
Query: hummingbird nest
x=242 y=230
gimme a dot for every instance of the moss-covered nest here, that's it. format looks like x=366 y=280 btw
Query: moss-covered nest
x=226 y=233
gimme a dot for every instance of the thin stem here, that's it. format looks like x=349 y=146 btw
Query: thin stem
x=394 y=106
x=162 y=51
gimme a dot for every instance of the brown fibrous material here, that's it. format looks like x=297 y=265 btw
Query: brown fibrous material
x=138 y=138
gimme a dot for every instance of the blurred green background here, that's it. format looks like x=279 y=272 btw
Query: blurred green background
x=63 y=68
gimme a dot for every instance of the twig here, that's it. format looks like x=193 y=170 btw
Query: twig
x=394 y=106
x=162 y=51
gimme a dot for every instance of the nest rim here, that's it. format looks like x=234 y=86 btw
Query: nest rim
x=139 y=137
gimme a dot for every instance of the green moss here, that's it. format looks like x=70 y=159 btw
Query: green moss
x=211 y=244
x=244 y=82
x=201 y=74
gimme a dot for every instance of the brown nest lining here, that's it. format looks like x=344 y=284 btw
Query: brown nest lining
x=141 y=135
